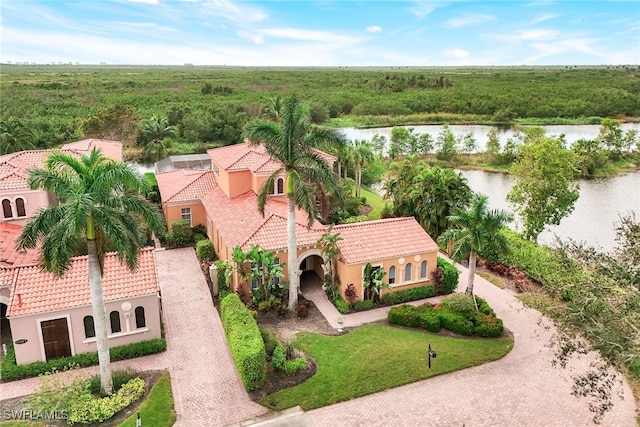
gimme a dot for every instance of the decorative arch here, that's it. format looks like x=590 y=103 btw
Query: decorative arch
x=306 y=255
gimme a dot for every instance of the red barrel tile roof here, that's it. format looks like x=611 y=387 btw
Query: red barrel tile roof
x=38 y=291
x=9 y=255
x=381 y=239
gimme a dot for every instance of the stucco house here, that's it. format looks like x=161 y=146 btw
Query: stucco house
x=49 y=316
x=224 y=200
x=18 y=201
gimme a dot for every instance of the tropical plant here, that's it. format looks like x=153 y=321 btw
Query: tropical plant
x=372 y=282
x=154 y=132
x=474 y=230
x=100 y=204
x=14 y=136
x=361 y=156
x=271 y=111
x=291 y=142
x=328 y=243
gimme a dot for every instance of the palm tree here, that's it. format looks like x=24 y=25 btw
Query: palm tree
x=154 y=131
x=361 y=155
x=99 y=204
x=290 y=142
x=271 y=111
x=475 y=230
x=14 y=136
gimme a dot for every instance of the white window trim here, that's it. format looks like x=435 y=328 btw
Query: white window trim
x=182 y=214
x=119 y=335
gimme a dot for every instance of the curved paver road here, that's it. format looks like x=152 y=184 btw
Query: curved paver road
x=521 y=389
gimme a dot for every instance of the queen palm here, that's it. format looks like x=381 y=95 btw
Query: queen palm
x=154 y=131
x=474 y=230
x=291 y=142
x=14 y=136
x=362 y=155
x=99 y=204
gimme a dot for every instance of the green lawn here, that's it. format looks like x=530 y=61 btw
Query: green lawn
x=375 y=200
x=157 y=410
x=376 y=357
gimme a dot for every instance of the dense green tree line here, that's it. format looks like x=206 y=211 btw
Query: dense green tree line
x=211 y=104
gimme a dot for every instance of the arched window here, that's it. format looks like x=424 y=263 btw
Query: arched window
x=392 y=274
x=407 y=272
x=20 y=207
x=6 y=208
x=114 y=317
x=280 y=186
x=141 y=322
x=89 y=328
x=423 y=270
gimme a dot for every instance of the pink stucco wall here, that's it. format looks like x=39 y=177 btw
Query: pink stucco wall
x=28 y=327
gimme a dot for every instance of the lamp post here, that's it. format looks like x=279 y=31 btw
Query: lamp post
x=431 y=354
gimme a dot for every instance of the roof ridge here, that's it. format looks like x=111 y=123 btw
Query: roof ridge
x=262 y=225
x=204 y=173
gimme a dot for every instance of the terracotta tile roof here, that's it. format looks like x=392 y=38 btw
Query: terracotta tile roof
x=239 y=222
x=112 y=149
x=185 y=185
x=14 y=167
x=40 y=291
x=255 y=158
x=9 y=255
x=6 y=276
x=382 y=239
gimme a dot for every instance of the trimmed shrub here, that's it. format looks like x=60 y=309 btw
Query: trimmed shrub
x=460 y=303
x=279 y=361
x=456 y=322
x=416 y=317
x=363 y=305
x=450 y=275
x=270 y=340
x=342 y=306
x=181 y=234
x=430 y=320
x=11 y=371
x=483 y=306
x=223 y=286
x=488 y=325
x=90 y=410
x=245 y=341
x=406 y=295
x=119 y=377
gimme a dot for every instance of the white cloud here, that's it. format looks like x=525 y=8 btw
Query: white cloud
x=374 y=29
x=455 y=53
x=469 y=19
x=538 y=34
x=422 y=8
x=144 y=1
x=302 y=34
x=544 y=18
x=237 y=12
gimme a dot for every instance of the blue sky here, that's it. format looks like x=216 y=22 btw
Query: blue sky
x=321 y=33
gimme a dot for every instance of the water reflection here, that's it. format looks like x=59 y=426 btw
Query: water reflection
x=601 y=203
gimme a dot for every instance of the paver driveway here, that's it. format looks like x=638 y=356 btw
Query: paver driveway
x=206 y=387
x=521 y=389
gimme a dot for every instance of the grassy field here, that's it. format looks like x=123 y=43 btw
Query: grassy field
x=376 y=357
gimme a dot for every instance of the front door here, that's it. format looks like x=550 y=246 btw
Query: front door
x=55 y=335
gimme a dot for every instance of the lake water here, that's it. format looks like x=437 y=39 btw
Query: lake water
x=601 y=200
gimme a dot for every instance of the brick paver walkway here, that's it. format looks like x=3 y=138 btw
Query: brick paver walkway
x=206 y=387
x=522 y=389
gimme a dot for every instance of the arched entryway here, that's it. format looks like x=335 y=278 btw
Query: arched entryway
x=310 y=269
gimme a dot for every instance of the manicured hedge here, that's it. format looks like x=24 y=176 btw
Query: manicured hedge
x=457 y=313
x=451 y=275
x=341 y=305
x=205 y=250
x=245 y=341
x=406 y=295
x=279 y=361
x=88 y=409
x=10 y=371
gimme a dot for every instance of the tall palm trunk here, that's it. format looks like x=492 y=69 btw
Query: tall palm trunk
x=292 y=250
x=472 y=273
x=99 y=318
